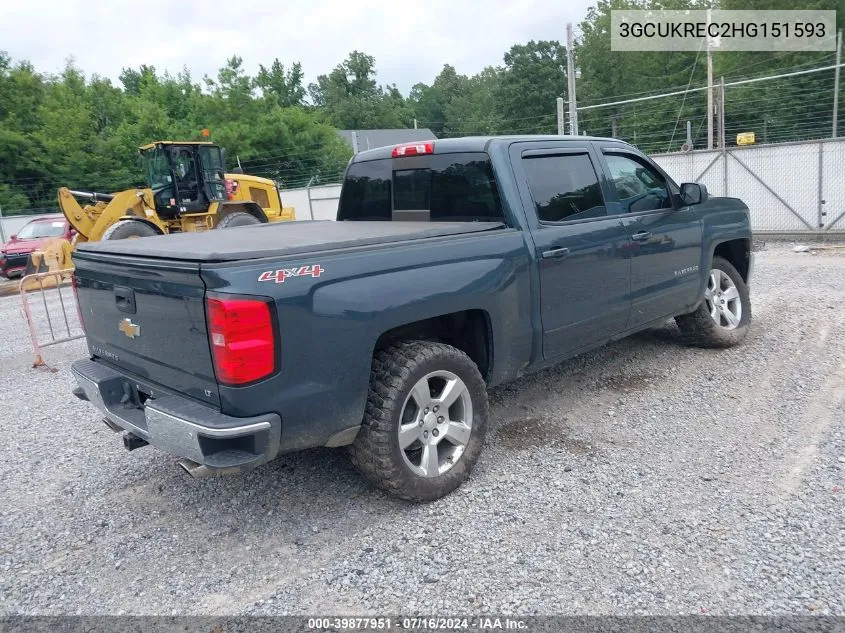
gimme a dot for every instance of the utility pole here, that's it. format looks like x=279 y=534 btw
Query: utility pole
x=354 y=141
x=722 y=113
x=715 y=116
x=836 y=84
x=415 y=124
x=570 y=76
x=709 y=88
x=560 y=125
x=2 y=231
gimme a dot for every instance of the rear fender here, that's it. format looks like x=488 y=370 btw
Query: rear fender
x=333 y=311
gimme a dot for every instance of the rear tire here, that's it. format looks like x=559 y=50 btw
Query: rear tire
x=424 y=423
x=128 y=229
x=723 y=318
x=238 y=218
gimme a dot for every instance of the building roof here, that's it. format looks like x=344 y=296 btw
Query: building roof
x=370 y=139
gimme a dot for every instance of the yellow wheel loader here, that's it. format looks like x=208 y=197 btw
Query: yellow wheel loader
x=187 y=191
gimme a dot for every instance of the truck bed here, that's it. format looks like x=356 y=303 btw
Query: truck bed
x=280 y=239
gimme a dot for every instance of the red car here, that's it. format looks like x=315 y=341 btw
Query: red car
x=15 y=253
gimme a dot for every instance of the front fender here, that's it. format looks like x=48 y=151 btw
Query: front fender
x=723 y=220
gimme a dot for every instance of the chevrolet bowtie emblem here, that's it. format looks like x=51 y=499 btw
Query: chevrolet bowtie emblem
x=130 y=329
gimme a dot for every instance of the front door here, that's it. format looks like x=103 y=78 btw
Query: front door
x=665 y=237
x=581 y=253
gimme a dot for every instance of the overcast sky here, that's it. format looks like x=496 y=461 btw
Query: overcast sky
x=411 y=40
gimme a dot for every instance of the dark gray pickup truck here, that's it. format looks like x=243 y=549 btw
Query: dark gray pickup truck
x=452 y=266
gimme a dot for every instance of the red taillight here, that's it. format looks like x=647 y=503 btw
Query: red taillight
x=243 y=343
x=413 y=149
x=74 y=285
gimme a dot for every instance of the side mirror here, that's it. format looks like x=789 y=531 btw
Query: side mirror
x=13 y=237
x=693 y=193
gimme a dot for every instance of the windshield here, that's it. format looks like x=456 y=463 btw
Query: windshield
x=36 y=230
x=157 y=167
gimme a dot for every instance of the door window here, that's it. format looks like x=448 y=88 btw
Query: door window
x=564 y=187
x=639 y=186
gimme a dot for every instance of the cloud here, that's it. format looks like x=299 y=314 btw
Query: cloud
x=411 y=41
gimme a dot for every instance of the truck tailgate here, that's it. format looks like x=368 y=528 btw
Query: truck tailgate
x=147 y=317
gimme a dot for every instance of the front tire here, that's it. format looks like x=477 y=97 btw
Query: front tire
x=724 y=316
x=129 y=229
x=424 y=423
x=238 y=218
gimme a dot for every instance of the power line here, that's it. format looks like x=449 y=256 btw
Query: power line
x=700 y=88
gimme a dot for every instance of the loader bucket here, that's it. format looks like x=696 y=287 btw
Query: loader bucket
x=54 y=254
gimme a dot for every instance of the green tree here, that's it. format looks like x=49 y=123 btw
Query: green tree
x=283 y=86
x=351 y=98
x=429 y=103
x=531 y=81
x=615 y=75
x=473 y=110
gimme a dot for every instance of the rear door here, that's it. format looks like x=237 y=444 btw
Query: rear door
x=666 y=236
x=147 y=317
x=581 y=252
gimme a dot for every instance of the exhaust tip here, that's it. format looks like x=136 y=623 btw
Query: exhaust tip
x=195 y=470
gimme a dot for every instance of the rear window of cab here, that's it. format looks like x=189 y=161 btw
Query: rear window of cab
x=455 y=187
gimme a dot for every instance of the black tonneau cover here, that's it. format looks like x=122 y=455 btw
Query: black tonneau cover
x=280 y=239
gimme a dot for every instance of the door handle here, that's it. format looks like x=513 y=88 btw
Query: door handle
x=641 y=236
x=556 y=253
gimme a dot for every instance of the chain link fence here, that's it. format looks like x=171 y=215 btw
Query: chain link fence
x=789 y=187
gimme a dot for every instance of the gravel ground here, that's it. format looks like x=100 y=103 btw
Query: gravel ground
x=644 y=477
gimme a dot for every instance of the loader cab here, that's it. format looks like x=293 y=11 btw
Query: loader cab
x=184 y=177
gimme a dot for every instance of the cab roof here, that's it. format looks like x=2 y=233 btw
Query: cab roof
x=474 y=144
x=155 y=143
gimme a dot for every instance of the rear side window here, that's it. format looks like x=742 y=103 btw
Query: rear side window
x=564 y=187
x=366 y=192
x=438 y=187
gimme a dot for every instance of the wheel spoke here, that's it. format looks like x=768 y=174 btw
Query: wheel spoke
x=457 y=433
x=421 y=394
x=731 y=317
x=731 y=294
x=708 y=293
x=408 y=434
x=451 y=392
x=430 y=463
x=714 y=313
x=716 y=279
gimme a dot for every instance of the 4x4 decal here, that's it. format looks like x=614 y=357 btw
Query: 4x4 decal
x=280 y=275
